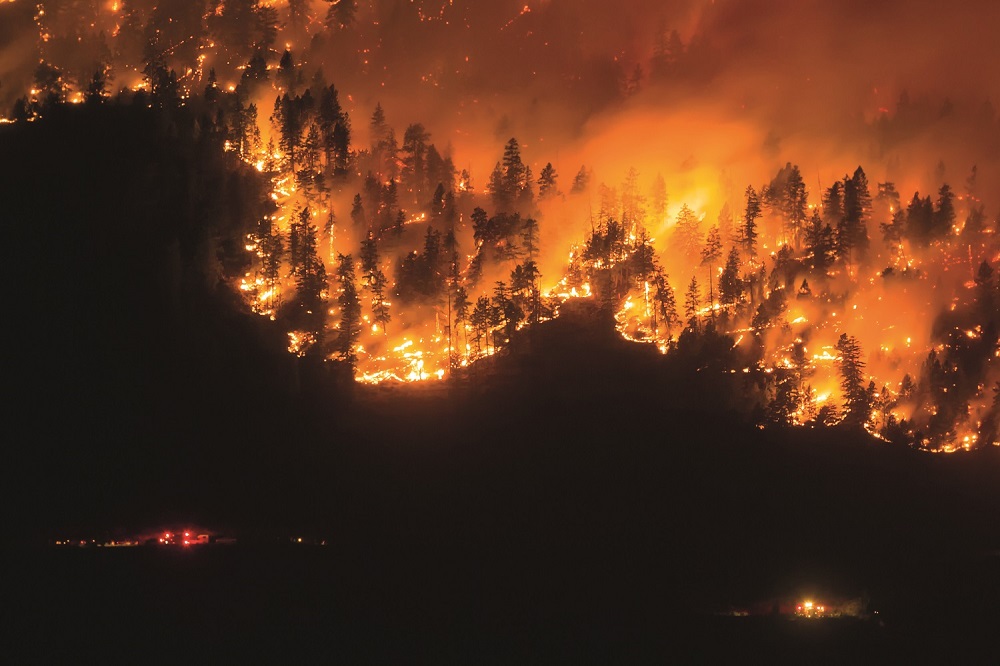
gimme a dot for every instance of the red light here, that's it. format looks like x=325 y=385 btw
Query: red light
x=187 y=534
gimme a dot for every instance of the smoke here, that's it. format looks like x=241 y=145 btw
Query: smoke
x=712 y=95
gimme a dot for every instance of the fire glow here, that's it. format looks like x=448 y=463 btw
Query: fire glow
x=412 y=256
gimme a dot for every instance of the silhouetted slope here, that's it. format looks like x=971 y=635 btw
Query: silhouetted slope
x=574 y=493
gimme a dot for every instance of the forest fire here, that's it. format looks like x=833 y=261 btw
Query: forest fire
x=840 y=302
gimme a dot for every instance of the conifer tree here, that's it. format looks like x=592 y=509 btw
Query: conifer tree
x=749 y=234
x=692 y=303
x=857 y=402
x=350 y=310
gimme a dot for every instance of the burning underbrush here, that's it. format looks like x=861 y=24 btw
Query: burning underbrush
x=404 y=257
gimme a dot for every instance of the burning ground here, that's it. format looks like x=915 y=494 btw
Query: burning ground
x=837 y=253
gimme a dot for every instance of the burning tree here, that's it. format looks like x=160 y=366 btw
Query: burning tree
x=857 y=400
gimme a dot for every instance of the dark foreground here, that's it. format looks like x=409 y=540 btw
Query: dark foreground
x=276 y=604
x=548 y=511
x=584 y=500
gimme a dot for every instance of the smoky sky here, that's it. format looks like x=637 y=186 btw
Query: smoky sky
x=565 y=58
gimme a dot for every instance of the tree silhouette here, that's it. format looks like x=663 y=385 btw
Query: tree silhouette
x=748 y=231
x=659 y=197
x=414 y=160
x=894 y=231
x=272 y=248
x=311 y=279
x=857 y=401
x=666 y=303
x=350 y=310
x=944 y=212
x=920 y=219
x=692 y=303
x=852 y=229
x=710 y=254
x=335 y=132
x=341 y=14
x=730 y=285
x=358 y=216
x=787 y=195
x=460 y=307
x=547 y=182
x=687 y=232
x=374 y=280
x=480 y=321
x=821 y=244
x=581 y=181
x=633 y=211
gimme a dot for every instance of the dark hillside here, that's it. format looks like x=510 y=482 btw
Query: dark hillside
x=578 y=494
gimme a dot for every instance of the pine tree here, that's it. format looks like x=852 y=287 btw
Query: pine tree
x=414 y=159
x=821 y=244
x=944 y=213
x=460 y=307
x=725 y=223
x=581 y=181
x=666 y=302
x=297 y=14
x=498 y=189
x=341 y=14
x=547 y=182
x=369 y=259
x=633 y=203
x=987 y=296
x=480 y=321
x=692 y=303
x=311 y=279
x=350 y=310
x=852 y=233
x=335 y=131
x=920 y=219
x=380 y=308
x=894 y=231
x=379 y=128
x=796 y=204
x=730 y=284
x=659 y=198
x=211 y=92
x=710 y=254
x=510 y=182
x=833 y=204
x=886 y=202
x=286 y=76
x=296 y=233
x=857 y=401
x=272 y=249
x=287 y=117
x=311 y=173
x=687 y=231
x=96 y=92
x=529 y=237
x=752 y=212
x=480 y=225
